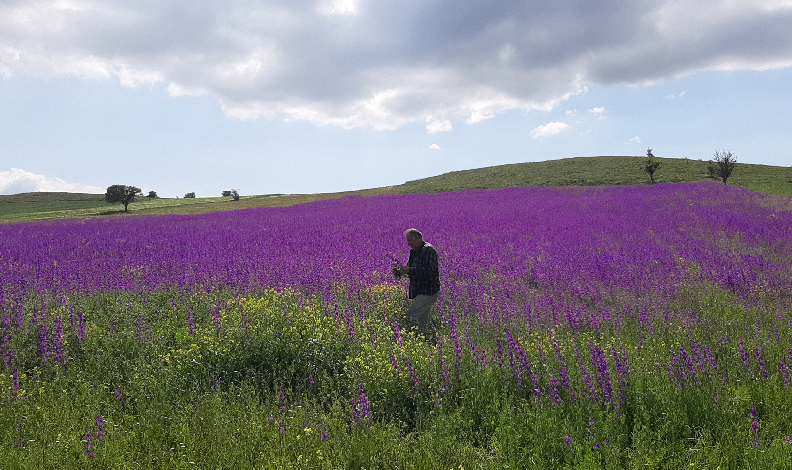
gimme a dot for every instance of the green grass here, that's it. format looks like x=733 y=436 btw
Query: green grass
x=270 y=380
x=578 y=171
x=33 y=206
x=21 y=206
x=596 y=171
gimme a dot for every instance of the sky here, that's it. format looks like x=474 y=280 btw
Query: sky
x=289 y=96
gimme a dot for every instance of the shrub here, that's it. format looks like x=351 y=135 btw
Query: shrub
x=189 y=196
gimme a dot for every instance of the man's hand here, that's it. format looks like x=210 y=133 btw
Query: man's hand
x=399 y=270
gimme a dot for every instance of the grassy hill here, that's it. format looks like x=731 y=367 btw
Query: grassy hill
x=578 y=171
x=596 y=171
x=20 y=205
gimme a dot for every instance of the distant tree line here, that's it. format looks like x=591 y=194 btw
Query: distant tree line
x=233 y=193
x=125 y=194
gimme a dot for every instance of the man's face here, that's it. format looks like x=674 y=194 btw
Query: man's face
x=414 y=242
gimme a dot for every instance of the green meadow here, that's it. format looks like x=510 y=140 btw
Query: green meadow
x=578 y=171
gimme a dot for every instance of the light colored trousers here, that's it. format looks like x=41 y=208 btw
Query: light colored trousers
x=418 y=313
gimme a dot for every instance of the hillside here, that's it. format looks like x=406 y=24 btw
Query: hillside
x=578 y=171
x=597 y=171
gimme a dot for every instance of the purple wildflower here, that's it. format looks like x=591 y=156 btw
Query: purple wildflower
x=397 y=331
x=349 y=320
x=592 y=390
x=360 y=407
x=554 y=390
x=93 y=438
x=18 y=317
x=755 y=431
x=511 y=347
x=622 y=375
x=444 y=372
x=413 y=376
x=57 y=340
x=190 y=323
x=5 y=336
x=82 y=331
x=120 y=396
x=217 y=316
x=600 y=364
x=311 y=383
x=760 y=359
x=394 y=363
x=143 y=332
x=744 y=353
x=457 y=352
x=43 y=345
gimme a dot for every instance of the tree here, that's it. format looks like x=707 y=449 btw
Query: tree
x=189 y=195
x=235 y=194
x=226 y=193
x=152 y=194
x=122 y=193
x=651 y=164
x=722 y=165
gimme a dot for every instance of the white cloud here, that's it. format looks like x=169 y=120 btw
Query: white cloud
x=339 y=7
x=599 y=112
x=571 y=112
x=434 y=127
x=17 y=180
x=434 y=147
x=680 y=95
x=477 y=116
x=353 y=63
x=549 y=129
x=636 y=139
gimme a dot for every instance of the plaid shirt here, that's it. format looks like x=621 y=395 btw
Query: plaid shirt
x=424 y=271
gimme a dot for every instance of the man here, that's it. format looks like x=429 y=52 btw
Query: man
x=424 y=272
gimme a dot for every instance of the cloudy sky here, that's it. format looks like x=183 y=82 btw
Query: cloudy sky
x=289 y=96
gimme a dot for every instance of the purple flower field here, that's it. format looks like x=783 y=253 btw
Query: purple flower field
x=634 y=241
x=600 y=327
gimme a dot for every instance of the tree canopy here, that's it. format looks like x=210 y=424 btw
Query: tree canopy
x=722 y=165
x=121 y=193
x=651 y=165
